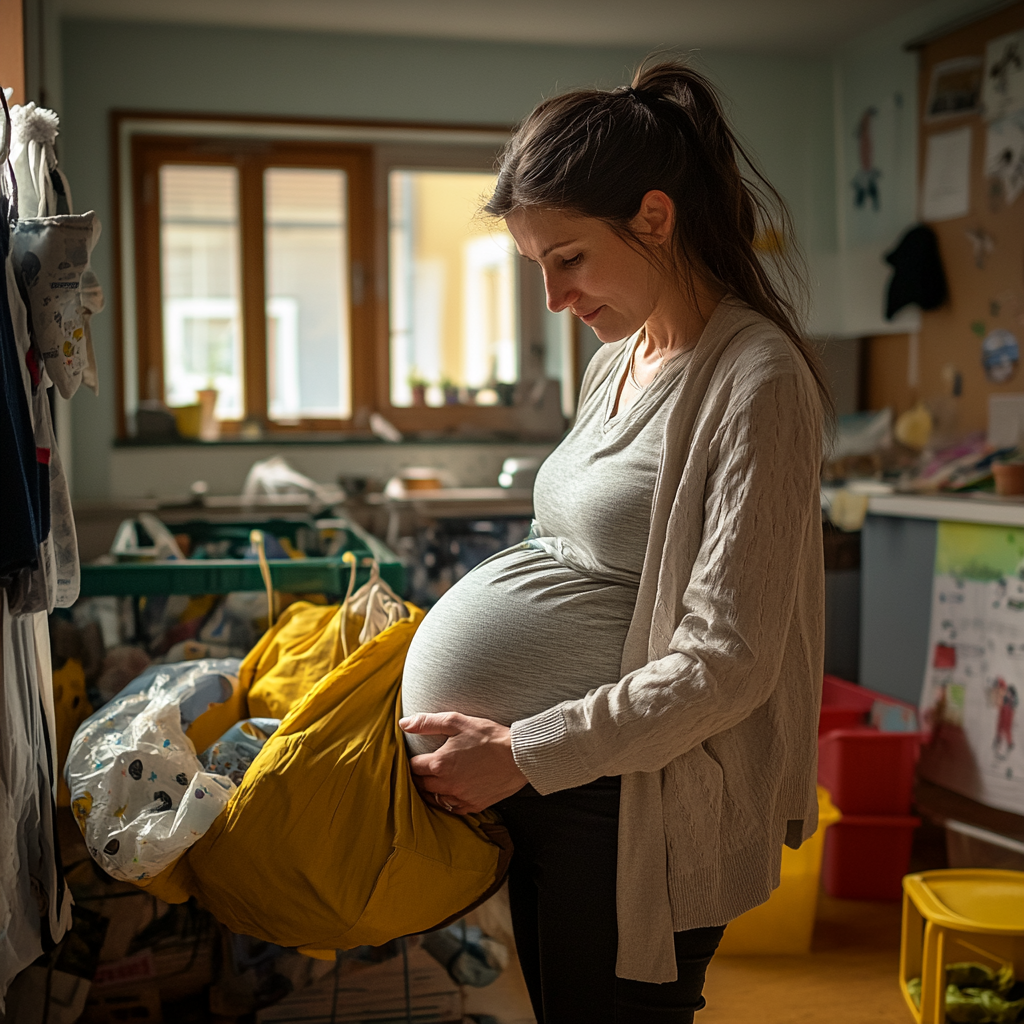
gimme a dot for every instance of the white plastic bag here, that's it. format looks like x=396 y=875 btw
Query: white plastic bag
x=138 y=790
x=275 y=476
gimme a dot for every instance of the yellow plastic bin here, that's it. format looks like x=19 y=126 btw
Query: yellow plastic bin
x=188 y=419
x=784 y=924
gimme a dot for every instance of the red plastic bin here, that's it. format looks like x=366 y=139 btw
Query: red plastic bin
x=844 y=705
x=866 y=856
x=867 y=771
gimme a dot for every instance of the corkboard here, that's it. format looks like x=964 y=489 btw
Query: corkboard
x=984 y=298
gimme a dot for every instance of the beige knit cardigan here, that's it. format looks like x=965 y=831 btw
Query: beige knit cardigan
x=713 y=725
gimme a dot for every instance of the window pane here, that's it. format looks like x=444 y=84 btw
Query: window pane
x=453 y=321
x=199 y=251
x=307 y=294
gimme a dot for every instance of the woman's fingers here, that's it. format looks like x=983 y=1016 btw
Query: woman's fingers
x=450 y=723
x=446 y=803
x=437 y=789
x=423 y=777
x=473 y=769
x=430 y=789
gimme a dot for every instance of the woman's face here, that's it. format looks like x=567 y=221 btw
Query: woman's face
x=588 y=269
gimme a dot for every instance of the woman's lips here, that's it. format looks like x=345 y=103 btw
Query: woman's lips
x=589 y=317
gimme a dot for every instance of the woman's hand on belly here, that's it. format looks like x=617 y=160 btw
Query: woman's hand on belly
x=472 y=770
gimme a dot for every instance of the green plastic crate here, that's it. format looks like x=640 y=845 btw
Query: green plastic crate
x=312 y=575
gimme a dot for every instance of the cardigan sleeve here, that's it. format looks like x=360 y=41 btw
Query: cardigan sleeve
x=724 y=657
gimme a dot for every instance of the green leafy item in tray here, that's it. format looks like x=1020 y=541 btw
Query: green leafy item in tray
x=975 y=994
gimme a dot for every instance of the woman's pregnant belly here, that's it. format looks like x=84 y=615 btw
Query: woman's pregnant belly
x=517 y=635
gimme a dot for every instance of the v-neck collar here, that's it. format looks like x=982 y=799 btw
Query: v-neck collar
x=620 y=368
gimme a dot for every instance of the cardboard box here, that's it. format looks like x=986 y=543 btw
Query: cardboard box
x=137 y=1004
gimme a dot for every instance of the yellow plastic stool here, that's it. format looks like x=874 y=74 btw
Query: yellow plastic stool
x=978 y=912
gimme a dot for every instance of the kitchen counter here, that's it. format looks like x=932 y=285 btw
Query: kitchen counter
x=972 y=507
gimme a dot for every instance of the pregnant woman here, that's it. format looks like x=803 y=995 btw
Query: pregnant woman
x=635 y=688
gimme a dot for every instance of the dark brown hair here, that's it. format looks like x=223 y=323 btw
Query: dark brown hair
x=597 y=153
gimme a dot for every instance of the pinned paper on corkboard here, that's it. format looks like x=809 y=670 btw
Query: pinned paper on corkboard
x=947 y=175
x=1004 y=154
x=1003 y=90
x=955 y=88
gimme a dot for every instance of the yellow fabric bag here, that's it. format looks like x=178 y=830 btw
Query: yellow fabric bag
x=327 y=844
x=294 y=656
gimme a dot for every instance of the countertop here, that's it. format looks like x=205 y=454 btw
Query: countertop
x=972 y=507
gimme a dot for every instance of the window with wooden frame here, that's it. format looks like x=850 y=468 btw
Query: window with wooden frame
x=303 y=284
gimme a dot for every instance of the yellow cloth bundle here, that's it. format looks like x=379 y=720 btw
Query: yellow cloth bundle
x=327 y=844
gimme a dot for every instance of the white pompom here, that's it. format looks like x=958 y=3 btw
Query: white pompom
x=34 y=124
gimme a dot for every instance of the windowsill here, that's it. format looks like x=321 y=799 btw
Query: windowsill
x=320 y=438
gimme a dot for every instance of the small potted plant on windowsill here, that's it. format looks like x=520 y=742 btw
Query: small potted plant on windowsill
x=418 y=387
x=451 y=391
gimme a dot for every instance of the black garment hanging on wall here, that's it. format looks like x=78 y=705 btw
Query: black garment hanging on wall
x=918 y=275
x=21 y=519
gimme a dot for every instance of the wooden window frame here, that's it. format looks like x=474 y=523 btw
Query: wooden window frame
x=252 y=160
x=368 y=158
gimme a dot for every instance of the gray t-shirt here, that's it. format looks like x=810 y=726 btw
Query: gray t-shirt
x=546 y=621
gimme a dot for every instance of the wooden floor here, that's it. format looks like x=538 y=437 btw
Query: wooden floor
x=848 y=978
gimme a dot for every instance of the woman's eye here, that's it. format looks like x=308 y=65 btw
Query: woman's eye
x=573 y=261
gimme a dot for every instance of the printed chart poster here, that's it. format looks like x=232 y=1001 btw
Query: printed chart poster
x=975 y=674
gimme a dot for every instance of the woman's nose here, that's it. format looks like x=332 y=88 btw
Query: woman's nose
x=559 y=295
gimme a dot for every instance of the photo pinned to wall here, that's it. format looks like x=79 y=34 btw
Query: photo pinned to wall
x=955 y=88
x=1003 y=89
x=947 y=175
x=1000 y=354
x=1004 y=155
x=865 y=181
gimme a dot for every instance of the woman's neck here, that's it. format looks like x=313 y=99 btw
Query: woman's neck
x=678 y=319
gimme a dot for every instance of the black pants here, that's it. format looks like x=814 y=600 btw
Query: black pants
x=562 y=893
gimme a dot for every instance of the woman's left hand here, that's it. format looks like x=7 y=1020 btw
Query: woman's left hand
x=472 y=770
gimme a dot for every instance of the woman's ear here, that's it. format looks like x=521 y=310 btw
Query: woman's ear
x=656 y=218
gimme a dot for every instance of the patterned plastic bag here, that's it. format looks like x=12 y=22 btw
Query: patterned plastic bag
x=138 y=791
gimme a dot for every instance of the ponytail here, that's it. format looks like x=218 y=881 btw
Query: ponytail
x=598 y=152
